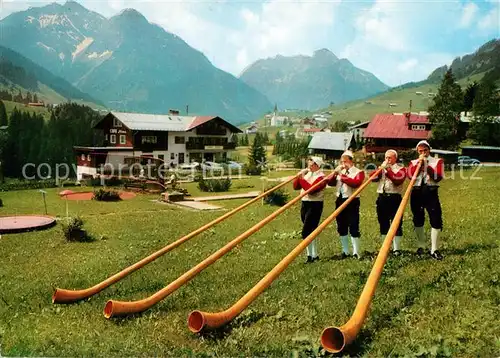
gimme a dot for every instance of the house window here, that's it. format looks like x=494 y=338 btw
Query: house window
x=83 y=156
x=88 y=157
x=116 y=123
x=112 y=138
x=418 y=127
x=123 y=139
x=180 y=140
x=172 y=156
x=181 y=158
x=149 y=139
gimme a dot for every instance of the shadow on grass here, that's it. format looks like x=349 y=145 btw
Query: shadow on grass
x=245 y=320
x=474 y=248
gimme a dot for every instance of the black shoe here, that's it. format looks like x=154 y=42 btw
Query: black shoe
x=397 y=253
x=309 y=260
x=343 y=256
x=437 y=255
x=420 y=251
x=356 y=256
x=315 y=259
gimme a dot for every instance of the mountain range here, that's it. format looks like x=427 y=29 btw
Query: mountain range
x=311 y=82
x=128 y=63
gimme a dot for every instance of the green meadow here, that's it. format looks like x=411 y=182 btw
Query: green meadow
x=422 y=307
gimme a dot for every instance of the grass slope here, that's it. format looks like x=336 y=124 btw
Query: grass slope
x=363 y=111
x=422 y=307
x=9 y=107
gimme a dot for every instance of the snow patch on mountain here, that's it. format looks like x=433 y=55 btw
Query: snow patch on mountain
x=48 y=48
x=82 y=46
x=94 y=55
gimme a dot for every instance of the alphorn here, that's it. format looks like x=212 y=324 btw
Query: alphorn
x=62 y=295
x=198 y=320
x=120 y=308
x=335 y=339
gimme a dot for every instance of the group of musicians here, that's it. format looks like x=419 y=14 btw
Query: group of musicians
x=346 y=178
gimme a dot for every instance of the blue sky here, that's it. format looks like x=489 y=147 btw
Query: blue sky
x=398 y=41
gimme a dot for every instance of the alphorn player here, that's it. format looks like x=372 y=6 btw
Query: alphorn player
x=390 y=186
x=346 y=179
x=425 y=196
x=312 y=203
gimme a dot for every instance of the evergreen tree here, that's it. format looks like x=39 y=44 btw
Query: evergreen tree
x=469 y=95
x=4 y=121
x=444 y=113
x=485 y=127
x=257 y=156
x=18 y=98
x=29 y=98
x=3 y=147
x=35 y=98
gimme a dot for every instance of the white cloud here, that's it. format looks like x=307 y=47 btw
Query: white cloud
x=491 y=21
x=468 y=13
x=407 y=65
x=281 y=26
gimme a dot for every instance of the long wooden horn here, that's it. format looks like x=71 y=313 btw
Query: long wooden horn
x=198 y=320
x=119 y=308
x=62 y=295
x=334 y=339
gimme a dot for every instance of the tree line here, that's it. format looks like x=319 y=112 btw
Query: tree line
x=30 y=138
x=482 y=99
x=19 y=98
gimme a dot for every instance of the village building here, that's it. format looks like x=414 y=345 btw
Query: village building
x=170 y=138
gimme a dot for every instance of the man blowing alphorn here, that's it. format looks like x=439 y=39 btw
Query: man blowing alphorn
x=312 y=203
x=390 y=186
x=425 y=196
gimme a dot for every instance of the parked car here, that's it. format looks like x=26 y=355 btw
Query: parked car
x=234 y=165
x=189 y=166
x=211 y=166
x=467 y=161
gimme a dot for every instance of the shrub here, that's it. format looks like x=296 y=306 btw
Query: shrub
x=1 y=203
x=253 y=170
x=27 y=184
x=106 y=195
x=72 y=229
x=113 y=181
x=278 y=197
x=214 y=185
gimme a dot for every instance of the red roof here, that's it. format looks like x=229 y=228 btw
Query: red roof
x=311 y=130
x=396 y=126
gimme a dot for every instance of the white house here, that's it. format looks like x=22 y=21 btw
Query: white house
x=171 y=139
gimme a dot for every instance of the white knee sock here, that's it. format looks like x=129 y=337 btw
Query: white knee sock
x=396 y=243
x=419 y=232
x=382 y=237
x=355 y=245
x=434 y=239
x=314 y=248
x=345 y=244
x=309 y=249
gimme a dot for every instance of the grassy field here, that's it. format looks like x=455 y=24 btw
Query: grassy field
x=360 y=110
x=9 y=107
x=422 y=307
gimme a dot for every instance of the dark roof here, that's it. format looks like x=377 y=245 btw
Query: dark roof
x=396 y=126
x=331 y=140
x=163 y=122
